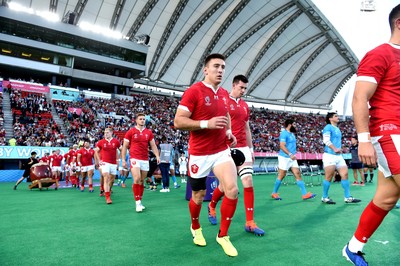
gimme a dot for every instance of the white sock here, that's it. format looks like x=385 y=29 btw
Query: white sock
x=355 y=245
x=138 y=202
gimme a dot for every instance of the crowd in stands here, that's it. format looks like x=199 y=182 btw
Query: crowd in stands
x=3 y=141
x=33 y=123
x=87 y=119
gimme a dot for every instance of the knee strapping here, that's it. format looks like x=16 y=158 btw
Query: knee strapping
x=248 y=170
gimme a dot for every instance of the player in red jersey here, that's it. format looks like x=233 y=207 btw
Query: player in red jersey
x=203 y=111
x=107 y=158
x=73 y=166
x=67 y=166
x=377 y=100
x=137 y=140
x=55 y=164
x=85 y=158
x=240 y=114
x=46 y=158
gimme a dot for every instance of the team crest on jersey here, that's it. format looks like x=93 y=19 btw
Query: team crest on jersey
x=225 y=101
x=135 y=136
x=207 y=100
x=232 y=107
x=194 y=168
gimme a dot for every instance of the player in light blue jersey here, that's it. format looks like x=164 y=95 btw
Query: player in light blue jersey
x=287 y=160
x=333 y=159
x=123 y=172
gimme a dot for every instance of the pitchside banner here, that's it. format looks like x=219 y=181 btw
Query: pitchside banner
x=24 y=152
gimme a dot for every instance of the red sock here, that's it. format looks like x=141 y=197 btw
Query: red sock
x=101 y=188
x=108 y=194
x=228 y=208
x=90 y=186
x=194 y=214
x=136 y=191
x=370 y=220
x=141 y=191
x=248 y=197
x=216 y=196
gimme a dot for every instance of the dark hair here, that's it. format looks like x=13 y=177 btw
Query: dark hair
x=329 y=115
x=394 y=14
x=288 y=122
x=241 y=78
x=355 y=137
x=213 y=56
x=33 y=153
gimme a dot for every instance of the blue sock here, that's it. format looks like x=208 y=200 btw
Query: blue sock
x=277 y=185
x=174 y=179
x=346 y=187
x=326 y=184
x=302 y=187
x=152 y=179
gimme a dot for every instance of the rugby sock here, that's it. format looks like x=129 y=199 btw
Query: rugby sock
x=90 y=186
x=346 y=187
x=365 y=176
x=136 y=191
x=174 y=179
x=216 y=196
x=325 y=185
x=277 y=185
x=228 y=208
x=194 y=214
x=141 y=190
x=370 y=220
x=371 y=176
x=108 y=194
x=300 y=184
x=248 y=198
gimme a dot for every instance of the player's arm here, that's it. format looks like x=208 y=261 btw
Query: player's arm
x=282 y=146
x=249 y=139
x=229 y=134
x=154 y=148
x=326 y=139
x=183 y=121
x=362 y=93
x=96 y=156
x=78 y=158
x=123 y=152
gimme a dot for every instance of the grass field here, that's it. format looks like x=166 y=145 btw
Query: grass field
x=67 y=227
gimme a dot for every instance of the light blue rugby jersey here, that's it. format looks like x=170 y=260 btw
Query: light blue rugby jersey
x=290 y=140
x=335 y=137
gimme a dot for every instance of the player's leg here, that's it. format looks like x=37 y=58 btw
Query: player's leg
x=385 y=198
x=226 y=172
x=300 y=183
x=90 y=174
x=83 y=180
x=107 y=177
x=329 y=163
x=245 y=172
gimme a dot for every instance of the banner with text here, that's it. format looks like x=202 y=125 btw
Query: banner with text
x=24 y=152
x=26 y=86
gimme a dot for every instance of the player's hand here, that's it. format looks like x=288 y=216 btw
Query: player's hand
x=232 y=139
x=336 y=150
x=367 y=154
x=218 y=122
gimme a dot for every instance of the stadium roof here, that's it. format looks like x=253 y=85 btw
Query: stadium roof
x=290 y=52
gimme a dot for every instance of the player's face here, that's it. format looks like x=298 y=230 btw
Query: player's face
x=107 y=134
x=87 y=145
x=140 y=120
x=239 y=89
x=214 y=71
x=335 y=118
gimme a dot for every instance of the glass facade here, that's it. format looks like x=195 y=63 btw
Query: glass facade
x=41 y=34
